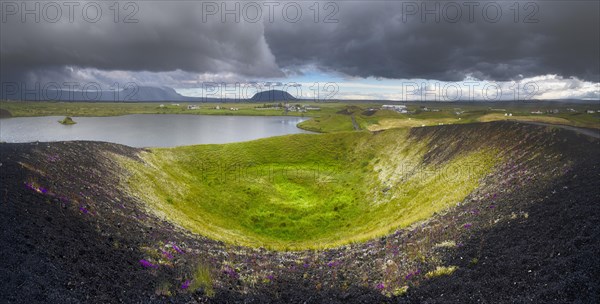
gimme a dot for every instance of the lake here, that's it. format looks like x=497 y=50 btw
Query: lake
x=149 y=130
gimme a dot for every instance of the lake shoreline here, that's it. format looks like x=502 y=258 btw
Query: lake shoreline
x=150 y=130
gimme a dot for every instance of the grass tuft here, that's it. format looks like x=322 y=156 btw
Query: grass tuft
x=202 y=278
x=441 y=271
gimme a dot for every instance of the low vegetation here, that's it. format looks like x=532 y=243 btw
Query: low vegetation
x=67 y=121
x=306 y=190
x=441 y=271
x=328 y=123
x=202 y=278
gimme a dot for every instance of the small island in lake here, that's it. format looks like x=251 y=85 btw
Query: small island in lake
x=67 y=121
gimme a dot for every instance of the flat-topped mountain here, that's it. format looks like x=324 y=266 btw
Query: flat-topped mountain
x=272 y=95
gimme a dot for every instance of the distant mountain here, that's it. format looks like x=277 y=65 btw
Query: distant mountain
x=272 y=95
x=151 y=94
x=129 y=94
x=133 y=94
x=167 y=94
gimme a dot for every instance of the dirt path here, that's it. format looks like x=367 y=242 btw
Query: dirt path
x=354 y=123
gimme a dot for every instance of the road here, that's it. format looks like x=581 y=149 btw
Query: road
x=589 y=132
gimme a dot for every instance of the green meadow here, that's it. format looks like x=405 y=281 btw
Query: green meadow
x=333 y=116
x=306 y=190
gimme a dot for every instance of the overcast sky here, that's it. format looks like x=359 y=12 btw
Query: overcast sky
x=352 y=49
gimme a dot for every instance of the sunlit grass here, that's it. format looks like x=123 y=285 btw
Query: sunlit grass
x=441 y=271
x=388 y=123
x=303 y=191
x=328 y=123
x=545 y=119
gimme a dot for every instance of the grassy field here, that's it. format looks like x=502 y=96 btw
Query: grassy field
x=303 y=191
x=328 y=123
x=25 y=109
x=335 y=116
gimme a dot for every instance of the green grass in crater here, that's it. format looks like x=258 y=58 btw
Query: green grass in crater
x=306 y=190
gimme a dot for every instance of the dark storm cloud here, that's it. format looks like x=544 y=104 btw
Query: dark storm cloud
x=373 y=39
x=167 y=37
x=369 y=39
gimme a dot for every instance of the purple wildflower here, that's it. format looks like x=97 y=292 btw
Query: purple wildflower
x=185 y=285
x=83 y=209
x=34 y=187
x=492 y=206
x=147 y=264
x=231 y=272
x=412 y=274
x=380 y=286
x=53 y=158
x=468 y=225
x=168 y=255
x=177 y=249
